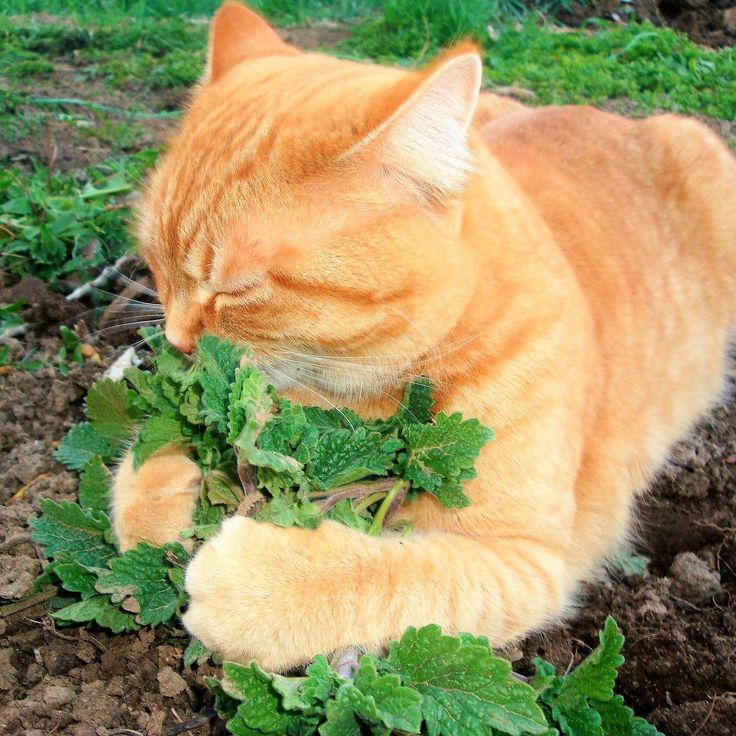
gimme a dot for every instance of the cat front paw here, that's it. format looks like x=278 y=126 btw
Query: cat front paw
x=155 y=502
x=246 y=595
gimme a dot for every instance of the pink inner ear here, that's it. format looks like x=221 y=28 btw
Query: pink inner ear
x=238 y=33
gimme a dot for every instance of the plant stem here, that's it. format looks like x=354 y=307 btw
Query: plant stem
x=377 y=523
x=364 y=503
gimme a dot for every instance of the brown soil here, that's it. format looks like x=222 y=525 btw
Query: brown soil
x=679 y=618
x=710 y=22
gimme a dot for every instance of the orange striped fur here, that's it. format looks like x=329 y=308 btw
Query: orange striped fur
x=565 y=275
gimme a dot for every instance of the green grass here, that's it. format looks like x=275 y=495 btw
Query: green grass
x=64 y=227
x=655 y=68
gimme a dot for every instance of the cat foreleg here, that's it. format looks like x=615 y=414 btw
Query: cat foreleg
x=278 y=596
x=156 y=501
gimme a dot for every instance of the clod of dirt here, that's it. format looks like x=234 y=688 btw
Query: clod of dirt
x=17 y=575
x=692 y=579
x=8 y=673
x=170 y=683
x=56 y=696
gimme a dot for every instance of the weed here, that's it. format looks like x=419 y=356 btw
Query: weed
x=62 y=228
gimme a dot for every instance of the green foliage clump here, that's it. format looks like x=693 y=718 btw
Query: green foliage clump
x=296 y=465
x=430 y=683
x=61 y=229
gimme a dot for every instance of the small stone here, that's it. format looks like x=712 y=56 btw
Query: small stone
x=170 y=683
x=653 y=608
x=692 y=579
x=57 y=696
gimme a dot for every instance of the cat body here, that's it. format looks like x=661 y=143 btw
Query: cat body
x=565 y=275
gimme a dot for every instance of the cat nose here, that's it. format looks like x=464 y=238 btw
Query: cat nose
x=181 y=342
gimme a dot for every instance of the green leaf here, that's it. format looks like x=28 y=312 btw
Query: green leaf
x=417 y=404
x=111 y=410
x=382 y=700
x=249 y=411
x=75 y=577
x=158 y=431
x=628 y=563
x=340 y=717
x=94 y=485
x=595 y=676
x=309 y=693
x=221 y=490
x=343 y=456
x=286 y=510
x=442 y=452
x=261 y=709
x=619 y=720
x=143 y=575
x=196 y=652
x=66 y=530
x=217 y=361
x=225 y=705
x=465 y=689
x=81 y=444
x=101 y=611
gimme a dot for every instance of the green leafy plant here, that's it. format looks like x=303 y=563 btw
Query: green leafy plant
x=54 y=228
x=295 y=465
x=435 y=684
x=287 y=464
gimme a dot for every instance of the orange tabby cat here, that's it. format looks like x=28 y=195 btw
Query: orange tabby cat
x=565 y=275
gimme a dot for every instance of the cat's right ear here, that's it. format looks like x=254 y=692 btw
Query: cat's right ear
x=236 y=34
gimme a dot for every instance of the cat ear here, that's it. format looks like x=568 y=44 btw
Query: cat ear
x=425 y=140
x=238 y=33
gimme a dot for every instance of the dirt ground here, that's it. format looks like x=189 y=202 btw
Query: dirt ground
x=709 y=22
x=679 y=617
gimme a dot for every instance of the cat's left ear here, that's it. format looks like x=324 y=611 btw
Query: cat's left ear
x=236 y=34
x=425 y=140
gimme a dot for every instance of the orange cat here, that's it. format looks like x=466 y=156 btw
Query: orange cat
x=565 y=275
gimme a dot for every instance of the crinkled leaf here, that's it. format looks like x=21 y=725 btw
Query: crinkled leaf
x=81 y=444
x=195 y=652
x=66 y=529
x=94 y=485
x=286 y=510
x=101 y=611
x=249 y=411
x=225 y=705
x=143 y=574
x=465 y=689
x=217 y=361
x=260 y=709
x=383 y=700
x=595 y=676
x=343 y=456
x=440 y=455
x=75 y=577
x=619 y=720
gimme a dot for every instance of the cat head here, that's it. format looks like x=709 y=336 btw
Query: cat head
x=311 y=206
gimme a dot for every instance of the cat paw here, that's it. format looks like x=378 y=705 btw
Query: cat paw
x=244 y=589
x=155 y=502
